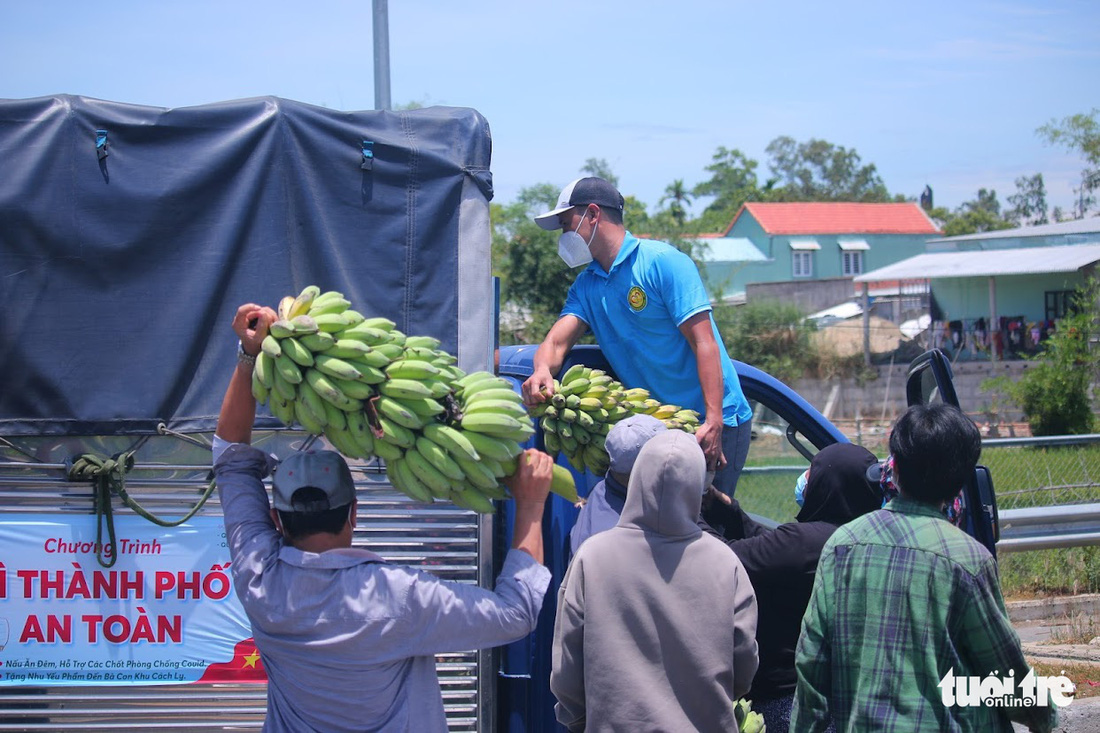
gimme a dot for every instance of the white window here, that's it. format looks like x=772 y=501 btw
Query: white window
x=802 y=257
x=802 y=263
x=851 y=254
x=853 y=263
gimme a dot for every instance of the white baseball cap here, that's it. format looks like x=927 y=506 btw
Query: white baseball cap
x=582 y=192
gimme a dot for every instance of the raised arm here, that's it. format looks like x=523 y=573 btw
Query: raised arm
x=549 y=357
x=530 y=486
x=238 y=410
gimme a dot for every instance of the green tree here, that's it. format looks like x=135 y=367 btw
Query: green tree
x=678 y=198
x=817 y=170
x=1079 y=133
x=1056 y=395
x=1029 y=203
x=732 y=182
x=534 y=280
x=983 y=214
x=635 y=216
x=770 y=335
x=600 y=168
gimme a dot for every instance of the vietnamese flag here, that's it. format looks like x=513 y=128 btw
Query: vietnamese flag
x=246 y=666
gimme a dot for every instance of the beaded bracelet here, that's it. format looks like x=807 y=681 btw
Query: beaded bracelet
x=244 y=358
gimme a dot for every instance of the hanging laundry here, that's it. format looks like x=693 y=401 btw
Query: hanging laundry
x=981 y=333
x=956 y=334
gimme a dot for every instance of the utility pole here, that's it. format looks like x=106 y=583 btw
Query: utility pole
x=381 y=55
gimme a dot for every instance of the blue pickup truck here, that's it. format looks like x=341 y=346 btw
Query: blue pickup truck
x=787 y=432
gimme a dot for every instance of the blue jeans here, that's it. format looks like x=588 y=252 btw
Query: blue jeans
x=735 y=447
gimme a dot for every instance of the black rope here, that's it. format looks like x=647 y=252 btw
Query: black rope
x=108 y=476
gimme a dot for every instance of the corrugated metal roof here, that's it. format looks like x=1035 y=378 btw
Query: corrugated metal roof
x=730 y=249
x=840 y=312
x=1077 y=226
x=827 y=217
x=986 y=263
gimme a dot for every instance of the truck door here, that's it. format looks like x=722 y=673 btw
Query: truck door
x=930 y=381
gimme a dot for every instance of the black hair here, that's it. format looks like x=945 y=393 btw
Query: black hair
x=307 y=521
x=935 y=449
x=613 y=216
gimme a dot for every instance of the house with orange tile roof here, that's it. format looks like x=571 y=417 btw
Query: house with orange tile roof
x=809 y=244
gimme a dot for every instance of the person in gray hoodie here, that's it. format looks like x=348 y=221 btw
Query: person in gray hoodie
x=656 y=620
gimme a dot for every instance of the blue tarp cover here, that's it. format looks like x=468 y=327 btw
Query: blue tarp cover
x=130 y=234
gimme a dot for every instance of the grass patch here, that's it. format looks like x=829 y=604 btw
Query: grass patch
x=766 y=487
x=1046 y=476
x=1057 y=572
x=1085 y=676
x=1080 y=628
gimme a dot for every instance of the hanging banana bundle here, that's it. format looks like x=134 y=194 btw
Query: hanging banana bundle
x=586 y=403
x=748 y=720
x=371 y=390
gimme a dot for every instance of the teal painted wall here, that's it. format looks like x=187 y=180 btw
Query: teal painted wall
x=731 y=278
x=1017 y=295
x=724 y=279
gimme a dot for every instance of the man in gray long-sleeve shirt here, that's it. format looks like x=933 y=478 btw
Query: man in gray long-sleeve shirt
x=348 y=640
x=656 y=622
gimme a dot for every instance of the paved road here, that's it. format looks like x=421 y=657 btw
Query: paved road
x=1080 y=716
x=1036 y=622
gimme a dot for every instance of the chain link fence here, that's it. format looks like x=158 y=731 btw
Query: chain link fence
x=1050 y=471
x=1027 y=471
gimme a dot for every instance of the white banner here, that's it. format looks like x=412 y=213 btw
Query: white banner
x=164 y=613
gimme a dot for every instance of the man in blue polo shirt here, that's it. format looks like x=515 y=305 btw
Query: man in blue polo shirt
x=646 y=305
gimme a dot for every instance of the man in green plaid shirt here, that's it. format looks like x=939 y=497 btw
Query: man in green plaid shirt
x=902 y=599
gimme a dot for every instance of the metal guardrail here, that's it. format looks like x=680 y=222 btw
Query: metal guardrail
x=1045 y=527
x=1072 y=519
x=1046 y=440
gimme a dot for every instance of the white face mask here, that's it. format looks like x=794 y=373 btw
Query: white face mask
x=573 y=249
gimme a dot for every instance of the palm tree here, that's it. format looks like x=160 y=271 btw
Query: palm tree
x=678 y=195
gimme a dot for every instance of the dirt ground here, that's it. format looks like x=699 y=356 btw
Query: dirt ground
x=846 y=337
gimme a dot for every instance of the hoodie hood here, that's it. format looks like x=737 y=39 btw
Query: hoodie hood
x=838 y=489
x=666 y=486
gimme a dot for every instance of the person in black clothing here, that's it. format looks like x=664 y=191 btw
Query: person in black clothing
x=781 y=563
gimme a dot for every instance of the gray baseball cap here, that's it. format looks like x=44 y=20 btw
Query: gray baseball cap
x=627 y=437
x=323 y=469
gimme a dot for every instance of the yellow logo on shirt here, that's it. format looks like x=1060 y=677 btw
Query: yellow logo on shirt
x=636 y=298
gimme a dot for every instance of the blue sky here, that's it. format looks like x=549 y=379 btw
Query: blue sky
x=947 y=93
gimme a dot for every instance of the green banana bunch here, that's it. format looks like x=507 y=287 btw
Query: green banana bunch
x=747 y=720
x=585 y=404
x=373 y=391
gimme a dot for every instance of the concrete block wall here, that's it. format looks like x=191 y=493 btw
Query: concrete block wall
x=809 y=295
x=883 y=398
